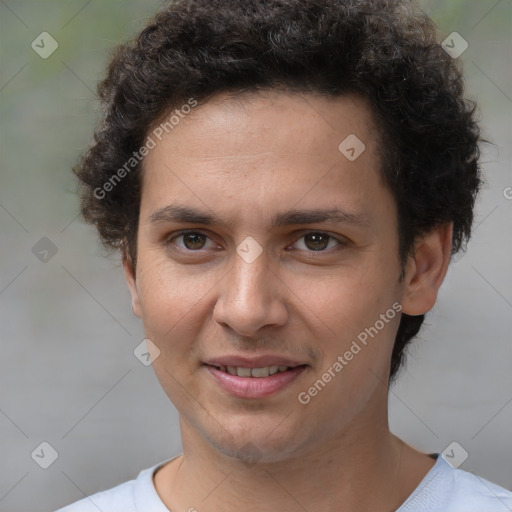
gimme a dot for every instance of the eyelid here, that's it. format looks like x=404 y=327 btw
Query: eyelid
x=168 y=240
x=341 y=241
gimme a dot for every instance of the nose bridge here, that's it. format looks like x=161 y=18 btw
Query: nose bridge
x=250 y=298
x=250 y=268
x=249 y=278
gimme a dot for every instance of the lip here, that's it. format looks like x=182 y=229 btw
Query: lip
x=253 y=362
x=255 y=387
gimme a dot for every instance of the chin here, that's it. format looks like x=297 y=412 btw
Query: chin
x=264 y=443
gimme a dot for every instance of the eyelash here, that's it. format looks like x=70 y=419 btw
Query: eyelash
x=340 y=242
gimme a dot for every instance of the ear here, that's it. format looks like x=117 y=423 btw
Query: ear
x=130 y=276
x=426 y=270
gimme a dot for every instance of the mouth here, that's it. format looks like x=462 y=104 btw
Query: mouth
x=258 y=378
x=258 y=373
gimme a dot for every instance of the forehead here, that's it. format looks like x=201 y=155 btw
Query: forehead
x=266 y=149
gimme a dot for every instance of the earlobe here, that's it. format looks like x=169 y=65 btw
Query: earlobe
x=426 y=270
x=129 y=274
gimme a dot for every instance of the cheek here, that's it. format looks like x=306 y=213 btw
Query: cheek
x=348 y=300
x=167 y=294
x=175 y=305
x=356 y=311
x=169 y=303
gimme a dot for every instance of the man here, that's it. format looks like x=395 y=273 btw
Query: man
x=287 y=181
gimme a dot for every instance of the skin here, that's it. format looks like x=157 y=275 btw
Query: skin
x=244 y=160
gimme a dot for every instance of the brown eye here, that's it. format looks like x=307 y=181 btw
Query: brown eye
x=318 y=241
x=191 y=241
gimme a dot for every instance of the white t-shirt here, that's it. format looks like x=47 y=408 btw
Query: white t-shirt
x=444 y=489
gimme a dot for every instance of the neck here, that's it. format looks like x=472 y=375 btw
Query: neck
x=334 y=476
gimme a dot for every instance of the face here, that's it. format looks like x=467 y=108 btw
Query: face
x=240 y=267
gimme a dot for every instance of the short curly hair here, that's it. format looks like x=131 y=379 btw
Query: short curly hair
x=385 y=51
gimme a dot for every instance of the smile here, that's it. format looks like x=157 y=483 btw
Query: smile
x=242 y=371
x=253 y=383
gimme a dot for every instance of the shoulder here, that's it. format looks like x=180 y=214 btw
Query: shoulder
x=128 y=496
x=111 y=499
x=446 y=489
x=477 y=494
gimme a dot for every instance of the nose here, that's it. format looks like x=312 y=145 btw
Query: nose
x=251 y=297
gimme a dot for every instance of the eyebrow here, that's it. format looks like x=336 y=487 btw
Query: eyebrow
x=179 y=213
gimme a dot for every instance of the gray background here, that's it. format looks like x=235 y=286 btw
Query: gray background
x=68 y=375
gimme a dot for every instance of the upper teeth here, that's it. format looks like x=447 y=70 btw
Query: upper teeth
x=253 y=372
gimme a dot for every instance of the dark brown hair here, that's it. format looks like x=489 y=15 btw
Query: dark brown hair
x=383 y=50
